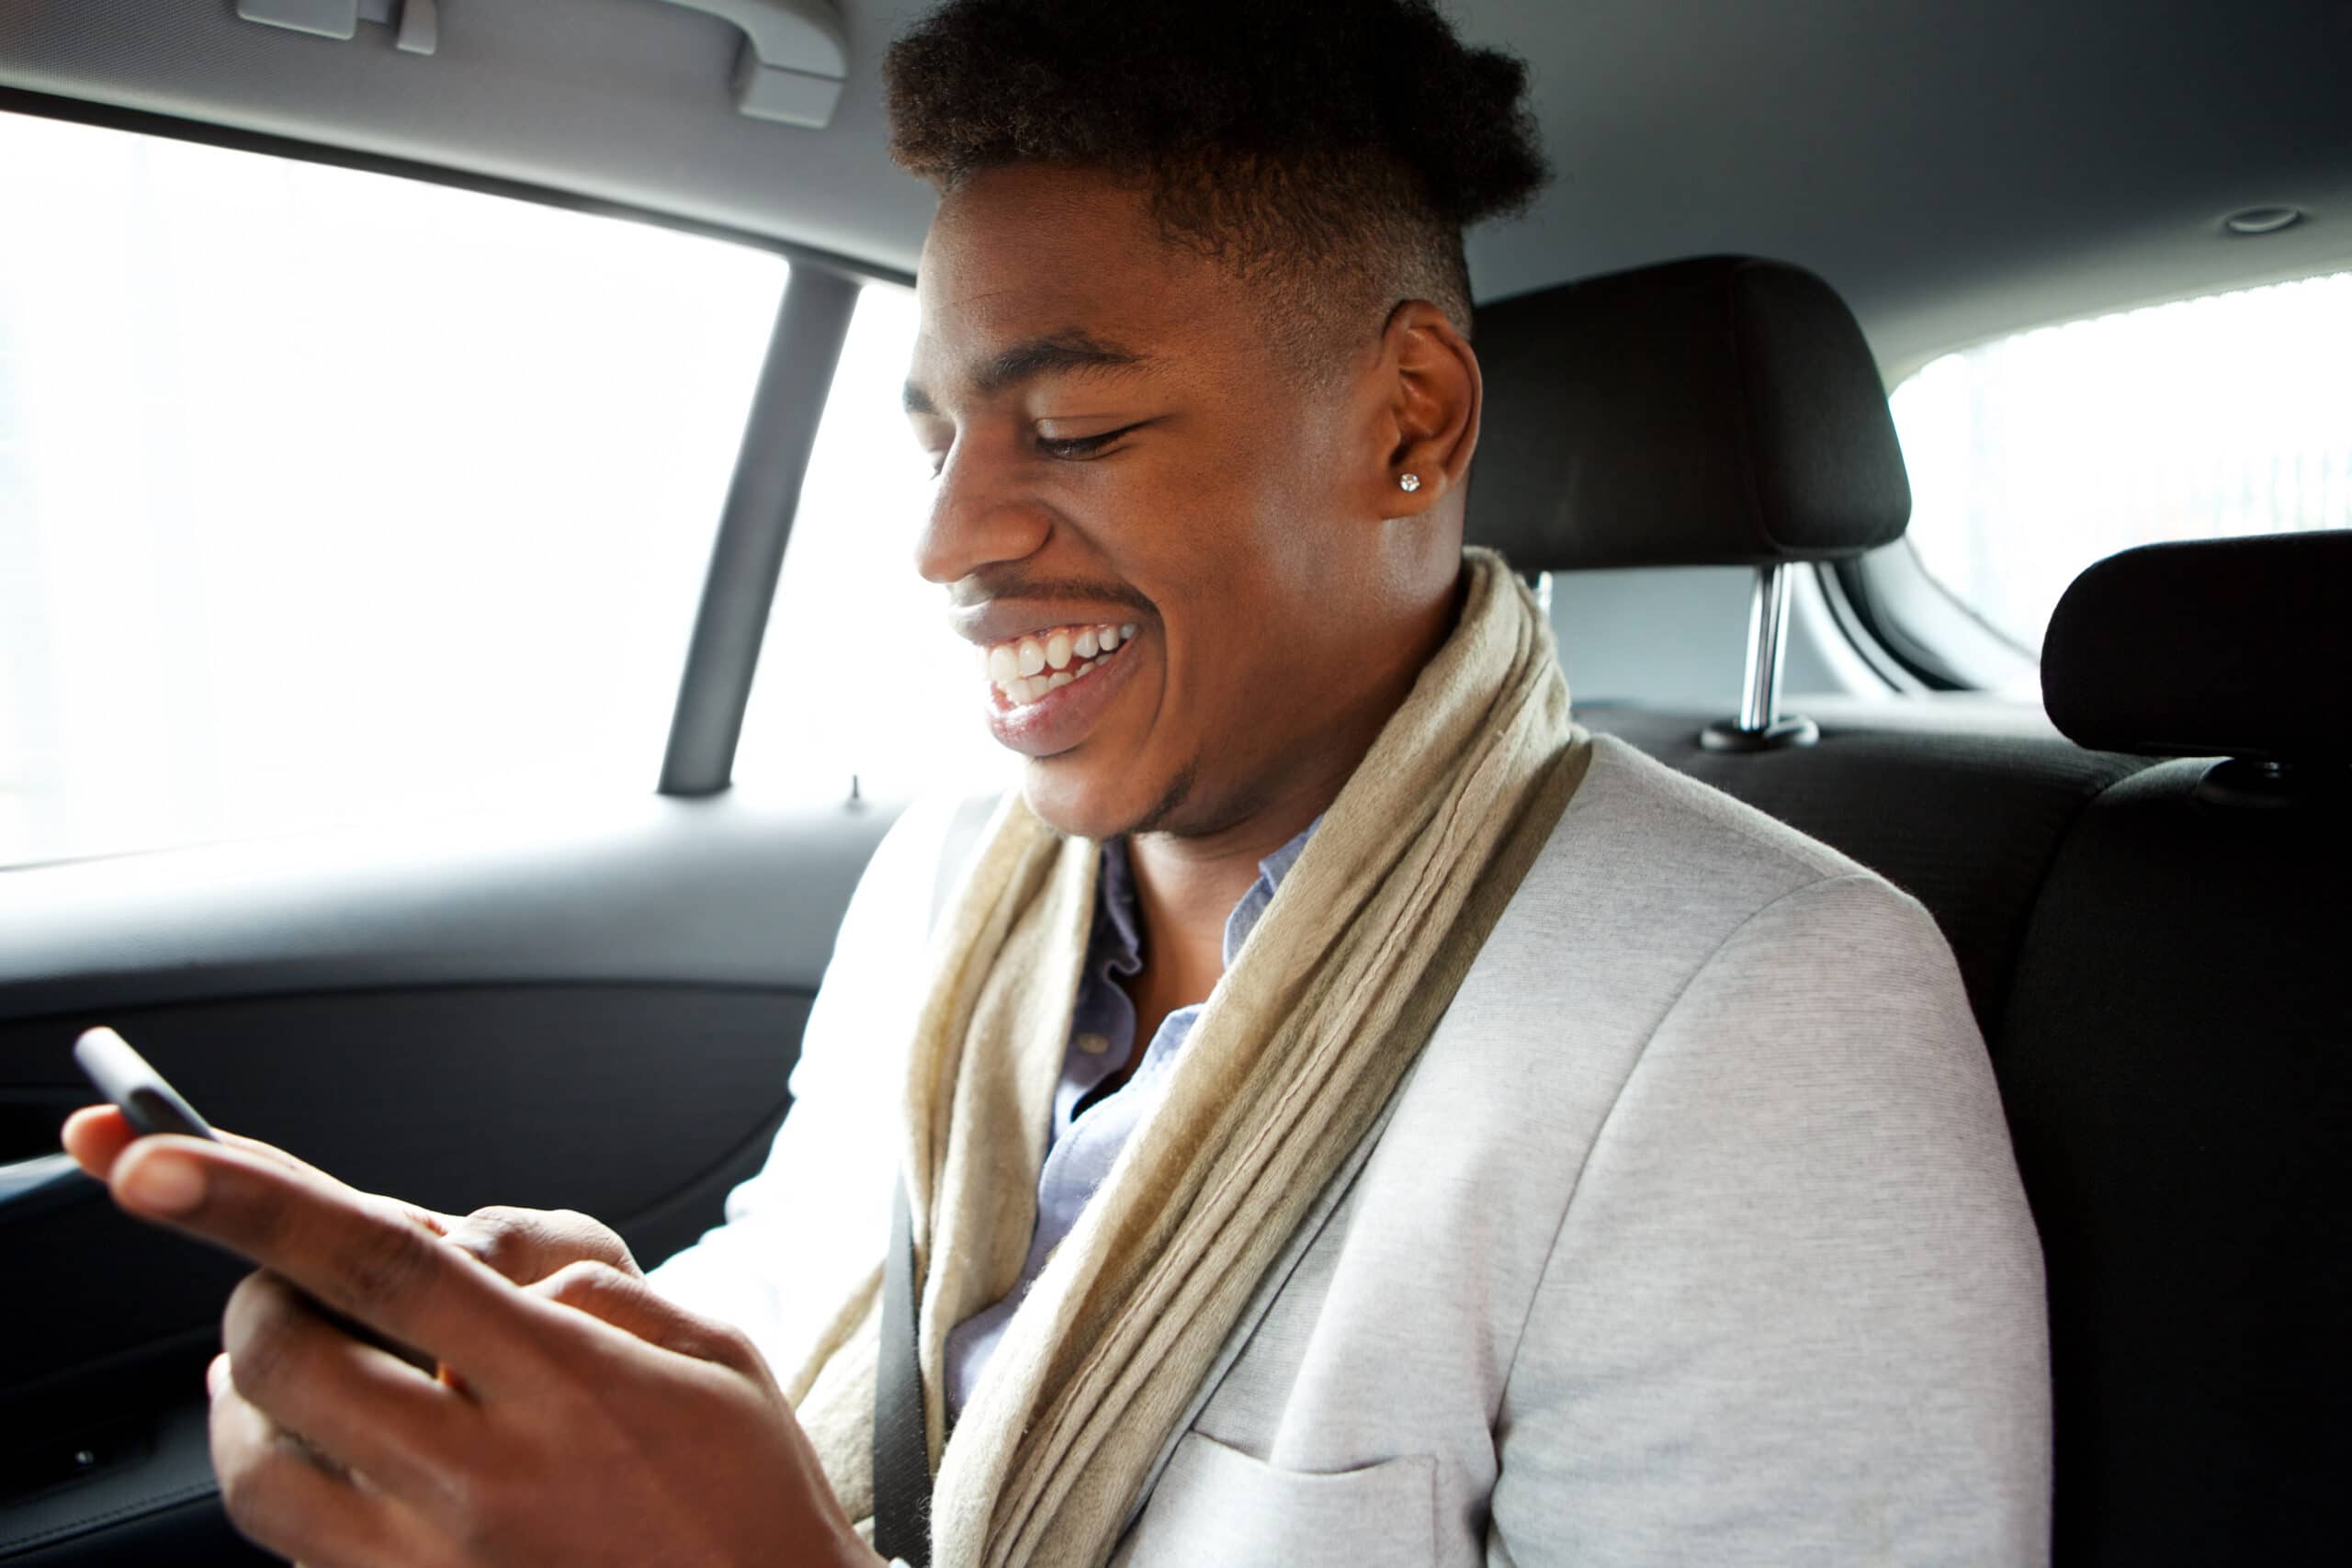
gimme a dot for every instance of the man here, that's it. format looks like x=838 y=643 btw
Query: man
x=1342 y=1112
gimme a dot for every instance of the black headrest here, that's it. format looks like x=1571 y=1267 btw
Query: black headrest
x=1719 y=411
x=2217 y=647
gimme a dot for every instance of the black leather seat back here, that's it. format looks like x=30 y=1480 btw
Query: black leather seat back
x=2173 y=1057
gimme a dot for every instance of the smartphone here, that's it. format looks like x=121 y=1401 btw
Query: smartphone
x=149 y=1102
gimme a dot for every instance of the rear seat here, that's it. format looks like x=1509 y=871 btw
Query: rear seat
x=2157 y=977
x=2173 y=1058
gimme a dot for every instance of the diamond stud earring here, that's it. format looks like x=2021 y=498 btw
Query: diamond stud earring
x=1409 y=482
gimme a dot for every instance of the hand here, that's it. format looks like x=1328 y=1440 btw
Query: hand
x=580 y=1419
x=528 y=1245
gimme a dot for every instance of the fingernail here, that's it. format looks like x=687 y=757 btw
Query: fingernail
x=216 y=1374
x=164 y=1184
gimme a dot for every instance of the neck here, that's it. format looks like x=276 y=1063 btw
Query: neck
x=1186 y=887
x=1187 y=884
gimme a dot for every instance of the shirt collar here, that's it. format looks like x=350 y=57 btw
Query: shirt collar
x=1118 y=924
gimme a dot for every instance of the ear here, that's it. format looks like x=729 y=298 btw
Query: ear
x=1428 y=396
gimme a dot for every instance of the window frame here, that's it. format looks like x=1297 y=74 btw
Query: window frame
x=1914 y=630
x=779 y=429
x=1899 y=615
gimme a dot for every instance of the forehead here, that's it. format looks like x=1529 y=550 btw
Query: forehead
x=1029 y=253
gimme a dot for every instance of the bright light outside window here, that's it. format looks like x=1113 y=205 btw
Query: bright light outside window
x=860 y=675
x=2033 y=457
x=324 y=493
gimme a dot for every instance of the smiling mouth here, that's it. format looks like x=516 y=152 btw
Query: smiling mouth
x=1023 y=669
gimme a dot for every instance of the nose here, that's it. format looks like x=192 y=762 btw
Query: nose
x=978 y=518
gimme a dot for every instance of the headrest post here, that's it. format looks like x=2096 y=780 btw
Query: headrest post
x=1768 y=625
x=1760 y=727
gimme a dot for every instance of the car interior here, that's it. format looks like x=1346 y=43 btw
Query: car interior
x=2132 y=822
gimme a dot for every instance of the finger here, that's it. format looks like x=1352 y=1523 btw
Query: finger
x=627 y=1302
x=528 y=1245
x=438 y=1223
x=97 y=1135
x=363 y=1406
x=430 y=1220
x=286 y=1502
x=357 y=1254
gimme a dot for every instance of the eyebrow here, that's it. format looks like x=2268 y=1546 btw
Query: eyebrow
x=1055 y=354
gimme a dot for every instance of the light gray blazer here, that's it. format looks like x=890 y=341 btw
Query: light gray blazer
x=1694 y=1237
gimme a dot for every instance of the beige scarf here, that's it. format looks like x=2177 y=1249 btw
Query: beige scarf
x=1296 y=1054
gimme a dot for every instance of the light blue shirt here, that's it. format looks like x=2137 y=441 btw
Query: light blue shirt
x=1084 y=1139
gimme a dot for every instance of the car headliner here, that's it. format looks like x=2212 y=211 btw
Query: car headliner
x=1956 y=171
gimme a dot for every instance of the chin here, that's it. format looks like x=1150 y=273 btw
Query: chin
x=1101 y=800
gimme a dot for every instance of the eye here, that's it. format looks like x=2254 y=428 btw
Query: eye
x=933 y=438
x=1078 y=448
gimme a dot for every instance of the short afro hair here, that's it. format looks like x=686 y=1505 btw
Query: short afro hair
x=1335 y=148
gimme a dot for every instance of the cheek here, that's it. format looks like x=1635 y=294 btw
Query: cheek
x=1231 y=541
x=1229 y=523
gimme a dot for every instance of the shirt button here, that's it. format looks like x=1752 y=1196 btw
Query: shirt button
x=1093 y=1044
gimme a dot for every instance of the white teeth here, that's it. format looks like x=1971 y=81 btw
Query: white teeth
x=1027 y=668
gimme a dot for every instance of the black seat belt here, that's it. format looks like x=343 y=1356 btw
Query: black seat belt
x=901 y=1445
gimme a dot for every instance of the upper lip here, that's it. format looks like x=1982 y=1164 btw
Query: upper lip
x=1002 y=620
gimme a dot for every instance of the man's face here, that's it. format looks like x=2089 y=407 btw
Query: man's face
x=1125 y=465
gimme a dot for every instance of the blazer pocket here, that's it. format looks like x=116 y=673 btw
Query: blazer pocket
x=1216 y=1505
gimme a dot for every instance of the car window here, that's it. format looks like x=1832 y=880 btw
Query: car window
x=2035 y=455
x=859 y=676
x=325 y=493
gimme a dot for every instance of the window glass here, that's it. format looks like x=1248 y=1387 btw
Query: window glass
x=2033 y=457
x=860 y=675
x=324 y=492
